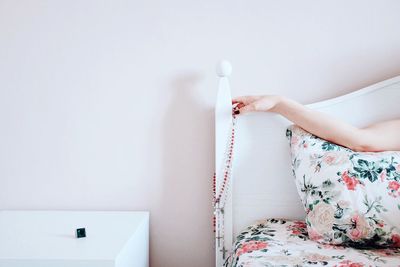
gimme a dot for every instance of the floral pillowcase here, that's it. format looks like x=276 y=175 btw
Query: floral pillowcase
x=350 y=198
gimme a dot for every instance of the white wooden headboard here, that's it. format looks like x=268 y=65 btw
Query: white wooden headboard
x=262 y=184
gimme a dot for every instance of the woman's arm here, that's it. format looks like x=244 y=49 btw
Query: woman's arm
x=377 y=137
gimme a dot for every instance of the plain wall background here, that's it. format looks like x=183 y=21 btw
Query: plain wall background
x=107 y=105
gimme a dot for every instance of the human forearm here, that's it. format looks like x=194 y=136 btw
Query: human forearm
x=320 y=124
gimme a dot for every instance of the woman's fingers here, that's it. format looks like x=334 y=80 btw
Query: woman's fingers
x=244 y=99
x=245 y=104
x=247 y=109
x=240 y=105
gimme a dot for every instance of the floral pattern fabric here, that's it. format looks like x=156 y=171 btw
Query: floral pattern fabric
x=279 y=242
x=350 y=198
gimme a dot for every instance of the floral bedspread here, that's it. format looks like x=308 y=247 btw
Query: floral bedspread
x=279 y=242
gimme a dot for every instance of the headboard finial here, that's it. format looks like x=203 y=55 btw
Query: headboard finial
x=224 y=68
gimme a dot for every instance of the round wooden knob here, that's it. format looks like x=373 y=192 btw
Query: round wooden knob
x=224 y=68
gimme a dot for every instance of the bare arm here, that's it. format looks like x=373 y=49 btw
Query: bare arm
x=377 y=137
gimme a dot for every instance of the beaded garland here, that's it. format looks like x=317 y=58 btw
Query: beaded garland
x=220 y=198
x=226 y=173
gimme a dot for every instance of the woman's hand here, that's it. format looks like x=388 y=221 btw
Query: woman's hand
x=245 y=104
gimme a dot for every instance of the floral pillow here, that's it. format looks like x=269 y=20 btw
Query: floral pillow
x=350 y=198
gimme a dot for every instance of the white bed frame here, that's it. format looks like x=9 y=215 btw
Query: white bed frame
x=262 y=184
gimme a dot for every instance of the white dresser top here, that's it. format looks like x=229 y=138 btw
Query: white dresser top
x=51 y=234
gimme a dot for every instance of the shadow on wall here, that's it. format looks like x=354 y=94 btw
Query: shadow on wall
x=183 y=235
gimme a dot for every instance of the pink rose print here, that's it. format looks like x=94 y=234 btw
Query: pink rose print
x=330 y=159
x=348 y=263
x=394 y=187
x=251 y=246
x=314 y=235
x=297 y=228
x=300 y=224
x=361 y=229
x=350 y=182
x=396 y=240
x=356 y=234
x=296 y=232
x=294 y=140
x=334 y=158
x=383 y=175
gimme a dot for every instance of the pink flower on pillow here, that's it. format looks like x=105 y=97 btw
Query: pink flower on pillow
x=361 y=230
x=383 y=175
x=294 y=140
x=350 y=182
x=380 y=224
x=356 y=234
x=335 y=158
x=396 y=240
x=321 y=218
x=329 y=159
x=393 y=185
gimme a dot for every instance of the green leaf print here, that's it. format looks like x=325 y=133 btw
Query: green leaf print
x=367 y=170
x=339 y=212
x=376 y=204
x=327 y=184
x=328 y=146
x=288 y=134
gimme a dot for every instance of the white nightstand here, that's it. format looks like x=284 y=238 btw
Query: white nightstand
x=47 y=239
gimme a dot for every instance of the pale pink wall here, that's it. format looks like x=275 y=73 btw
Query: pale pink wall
x=108 y=104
